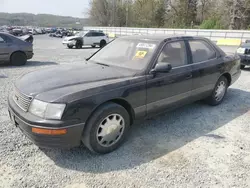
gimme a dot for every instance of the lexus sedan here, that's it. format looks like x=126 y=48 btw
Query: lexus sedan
x=134 y=77
x=14 y=50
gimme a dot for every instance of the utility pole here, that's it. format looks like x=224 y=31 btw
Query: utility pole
x=127 y=15
x=113 y=13
x=127 y=11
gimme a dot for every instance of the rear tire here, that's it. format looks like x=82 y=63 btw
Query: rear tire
x=93 y=46
x=242 y=66
x=103 y=43
x=106 y=129
x=18 y=59
x=219 y=92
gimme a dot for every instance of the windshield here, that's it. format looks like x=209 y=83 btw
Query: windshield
x=132 y=54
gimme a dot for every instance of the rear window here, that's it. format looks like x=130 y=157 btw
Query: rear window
x=201 y=51
x=5 y=39
x=1 y=40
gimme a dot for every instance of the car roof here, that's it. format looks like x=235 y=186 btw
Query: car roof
x=160 y=37
x=97 y=31
x=5 y=33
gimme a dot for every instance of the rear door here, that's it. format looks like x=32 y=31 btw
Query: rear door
x=5 y=47
x=206 y=65
x=172 y=89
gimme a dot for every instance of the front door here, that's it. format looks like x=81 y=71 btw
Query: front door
x=169 y=90
x=4 y=48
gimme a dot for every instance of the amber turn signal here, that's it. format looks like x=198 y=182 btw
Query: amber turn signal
x=49 y=131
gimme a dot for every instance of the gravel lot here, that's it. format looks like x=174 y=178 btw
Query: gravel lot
x=194 y=146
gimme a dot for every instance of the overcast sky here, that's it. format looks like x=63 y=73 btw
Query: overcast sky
x=73 y=8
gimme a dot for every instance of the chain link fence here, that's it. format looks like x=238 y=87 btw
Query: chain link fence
x=213 y=35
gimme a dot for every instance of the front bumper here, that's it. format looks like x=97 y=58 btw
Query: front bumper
x=72 y=138
x=245 y=59
x=29 y=55
x=70 y=43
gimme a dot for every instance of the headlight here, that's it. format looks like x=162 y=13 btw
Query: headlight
x=241 y=50
x=46 y=110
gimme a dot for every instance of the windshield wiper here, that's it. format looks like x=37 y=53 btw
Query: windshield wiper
x=103 y=64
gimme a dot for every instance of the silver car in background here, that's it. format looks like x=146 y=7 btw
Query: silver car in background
x=14 y=50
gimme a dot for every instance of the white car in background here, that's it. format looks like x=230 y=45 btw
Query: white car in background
x=90 y=38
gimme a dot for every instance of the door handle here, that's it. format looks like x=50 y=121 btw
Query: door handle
x=189 y=76
x=219 y=66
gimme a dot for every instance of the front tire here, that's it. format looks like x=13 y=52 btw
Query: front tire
x=106 y=129
x=219 y=92
x=18 y=59
x=79 y=45
x=69 y=46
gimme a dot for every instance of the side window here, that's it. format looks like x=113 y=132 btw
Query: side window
x=90 y=34
x=201 y=51
x=101 y=34
x=95 y=34
x=5 y=39
x=174 y=53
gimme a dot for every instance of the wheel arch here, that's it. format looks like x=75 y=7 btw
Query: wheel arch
x=228 y=77
x=20 y=51
x=122 y=102
x=103 y=40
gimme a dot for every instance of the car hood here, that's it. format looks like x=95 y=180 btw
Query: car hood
x=72 y=37
x=64 y=76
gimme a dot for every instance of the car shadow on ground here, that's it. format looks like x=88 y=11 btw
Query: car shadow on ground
x=29 y=64
x=157 y=137
x=83 y=48
x=40 y=63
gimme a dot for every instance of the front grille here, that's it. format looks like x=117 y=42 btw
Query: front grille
x=23 y=101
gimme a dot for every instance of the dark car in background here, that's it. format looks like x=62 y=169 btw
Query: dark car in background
x=244 y=52
x=131 y=78
x=14 y=50
x=58 y=34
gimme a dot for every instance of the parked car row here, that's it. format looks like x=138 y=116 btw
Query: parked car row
x=20 y=31
x=24 y=30
x=61 y=33
x=131 y=78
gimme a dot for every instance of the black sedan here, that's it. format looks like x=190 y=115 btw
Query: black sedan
x=134 y=77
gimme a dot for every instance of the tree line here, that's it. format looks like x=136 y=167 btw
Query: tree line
x=204 y=14
x=42 y=20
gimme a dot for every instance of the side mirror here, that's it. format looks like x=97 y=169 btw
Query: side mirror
x=162 y=67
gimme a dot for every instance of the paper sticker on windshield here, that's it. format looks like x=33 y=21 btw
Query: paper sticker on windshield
x=140 y=54
x=146 y=45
